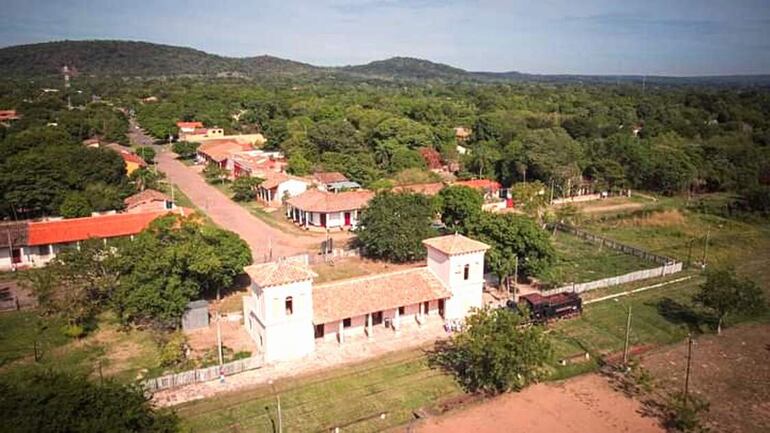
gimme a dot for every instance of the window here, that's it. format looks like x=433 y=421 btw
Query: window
x=346 y=323
x=377 y=318
x=289 y=306
x=43 y=250
x=426 y=308
x=401 y=311
x=319 y=331
x=15 y=255
x=466 y=272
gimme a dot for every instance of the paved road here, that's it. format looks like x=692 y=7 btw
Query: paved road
x=259 y=235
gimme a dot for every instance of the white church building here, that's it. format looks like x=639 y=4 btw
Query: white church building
x=286 y=314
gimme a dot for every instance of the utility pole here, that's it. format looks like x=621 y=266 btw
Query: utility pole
x=706 y=247
x=219 y=350
x=628 y=336
x=278 y=403
x=687 y=370
x=551 y=201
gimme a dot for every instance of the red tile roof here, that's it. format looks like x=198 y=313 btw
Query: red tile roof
x=9 y=115
x=455 y=244
x=358 y=296
x=432 y=157
x=484 y=184
x=131 y=157
x=145 y=196
x=220 y=150
x=329 y=177
x=422 y=188
x=80 y=229
x=314 y=200
x=279 y=273
x=189 y=124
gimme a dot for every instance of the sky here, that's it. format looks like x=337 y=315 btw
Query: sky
x=653 y=37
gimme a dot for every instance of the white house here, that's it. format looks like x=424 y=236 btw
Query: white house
x=287 y=315
x=280 y=186
x=322 y=209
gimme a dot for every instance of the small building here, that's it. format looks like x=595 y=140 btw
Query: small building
x=462 y=134
x=490 y=189
x=7 y=116
x=255 y=163
x=283 y=305
x=432 y=158
x=13 y=238
x=322 y=209
x=196 y=315
x=188 y=127
x=322 y=180
x=147 y=201
x=279 y=187
x=132 y=161
x=218 y=151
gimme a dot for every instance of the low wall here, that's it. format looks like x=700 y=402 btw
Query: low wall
x=201 y=374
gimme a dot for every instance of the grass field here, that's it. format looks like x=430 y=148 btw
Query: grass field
x=119 y=354
x=580 y=261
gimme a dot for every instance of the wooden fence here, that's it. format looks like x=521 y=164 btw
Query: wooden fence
x=609 y=243
x=201 y=374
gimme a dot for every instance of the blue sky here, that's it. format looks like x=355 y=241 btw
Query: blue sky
x=672 y=37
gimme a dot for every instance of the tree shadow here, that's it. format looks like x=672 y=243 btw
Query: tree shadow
x=682 y=314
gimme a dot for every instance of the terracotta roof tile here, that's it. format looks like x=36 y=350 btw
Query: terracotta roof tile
x=421 y=188
x=189 y=124
x=131 y=157
x=455 y=244
x=80 y=229
x=329 y=177
x=143 y=197
x=358 y=296
x=220 y=150
x=483 y=184
x=314 y=200
x=278 y=273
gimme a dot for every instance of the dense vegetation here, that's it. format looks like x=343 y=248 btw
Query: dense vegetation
x=55 y=402
x=44 y=168
x=687 y=139
x=145 y=281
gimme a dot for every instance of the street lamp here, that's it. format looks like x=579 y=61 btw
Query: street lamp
x=278 y=403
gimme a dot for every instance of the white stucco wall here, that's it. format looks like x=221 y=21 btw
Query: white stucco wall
x=285 y=336
x=293 y=187
x=466 y=294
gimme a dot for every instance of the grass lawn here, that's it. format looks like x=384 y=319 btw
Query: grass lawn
x=122 y=354
x=355 y=267
x=580 y=261
x=350 y=397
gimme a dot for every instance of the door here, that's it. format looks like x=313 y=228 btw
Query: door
x=347 y=218
x=441 y=307
x=319 y=331
x=16 y=255
x=426 y=307
x=323 y=220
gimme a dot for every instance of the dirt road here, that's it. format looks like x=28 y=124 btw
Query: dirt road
x=261 y=237
x=580 y=405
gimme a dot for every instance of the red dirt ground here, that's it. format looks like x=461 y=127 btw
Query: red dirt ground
x=731 y=371
x=580 y=405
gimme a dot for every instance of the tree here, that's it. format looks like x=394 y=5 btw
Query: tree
x=146 y=178
x=75 y=205
x=393 y=225
x=458 y=204
x=510 y=237
x=147 y=153
x=215 y=174
x=185 y=149
x=531 y=197
x=726 y=294
x=494 y=353
x=299 y=165
x=172 y=263
x=245 y=188
x=49 y=402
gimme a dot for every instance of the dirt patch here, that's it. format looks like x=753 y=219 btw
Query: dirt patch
x=731 y=371
x=234 y=336
x=352 y=267
x=583 y=404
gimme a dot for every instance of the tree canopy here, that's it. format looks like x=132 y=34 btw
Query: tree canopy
x=725 y=294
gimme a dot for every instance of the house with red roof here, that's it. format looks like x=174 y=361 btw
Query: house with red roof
x=283 y=304
x=35 y=243
x=148 y=200
x=279 y=187
x=323 y=209
x=218 y=151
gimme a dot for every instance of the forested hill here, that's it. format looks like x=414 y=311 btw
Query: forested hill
x=128 y=58
x=143 y=59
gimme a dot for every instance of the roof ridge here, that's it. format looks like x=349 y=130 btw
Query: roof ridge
x=370 y=277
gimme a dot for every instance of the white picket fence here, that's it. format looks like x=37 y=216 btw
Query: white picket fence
x=201 y=374
x=666 y=269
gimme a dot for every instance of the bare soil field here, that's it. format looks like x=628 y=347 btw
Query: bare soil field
x=731 y=371
x=583 y=404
